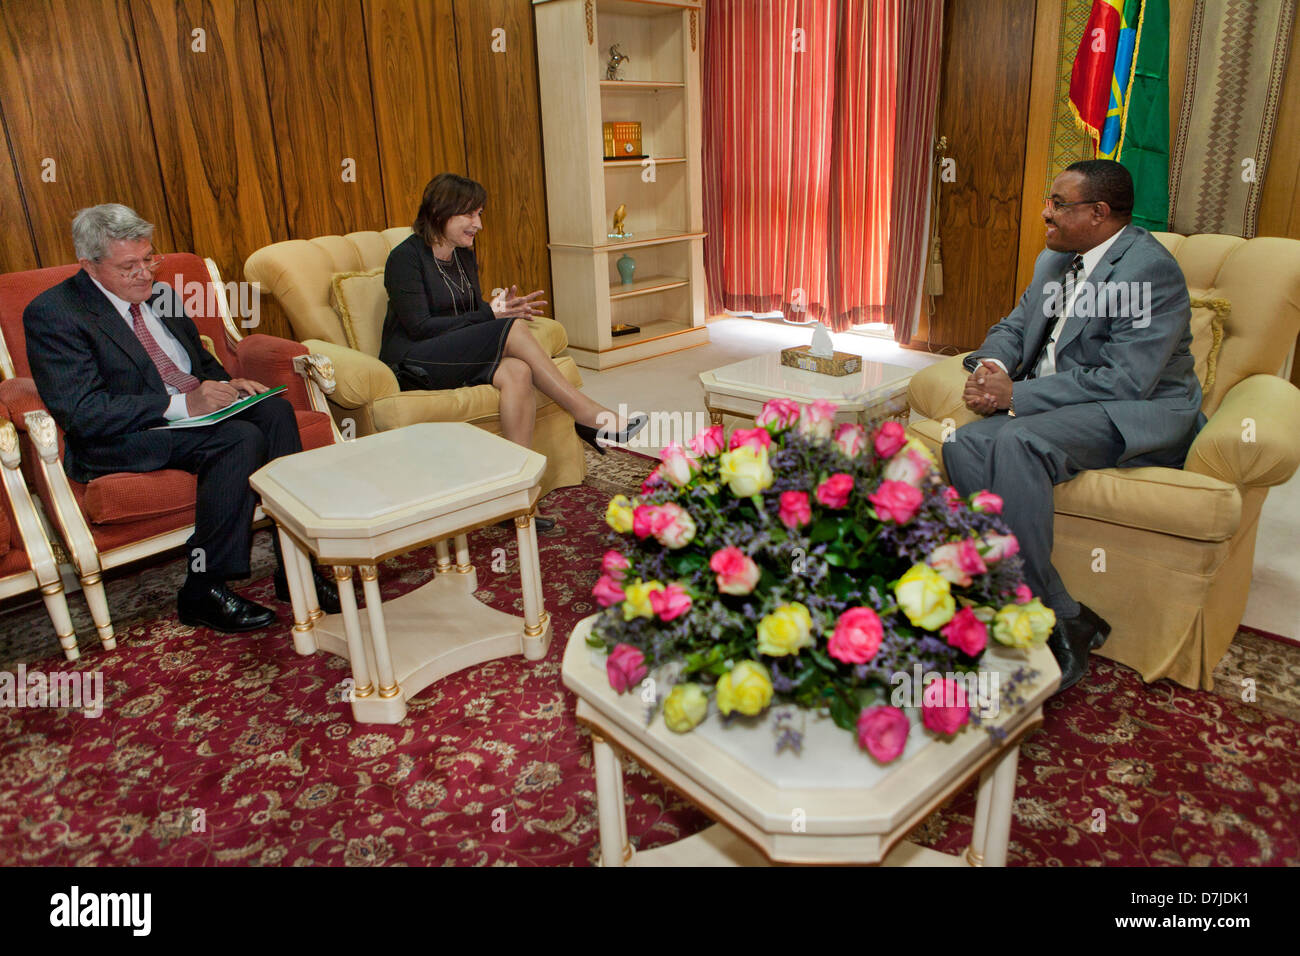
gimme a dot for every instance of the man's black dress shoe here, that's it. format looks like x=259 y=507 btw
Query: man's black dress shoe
x=589 y=434
x=218 y=607
x=327 y=592
x=1072 y=639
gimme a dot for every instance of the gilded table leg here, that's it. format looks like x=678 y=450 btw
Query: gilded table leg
x=463 y=566
x=390 y=694
x=304 y=641
x=715 y=416
x=443 y=551
x=537 y=623
x=614 y=847
x=364 y=689
x=993 y=810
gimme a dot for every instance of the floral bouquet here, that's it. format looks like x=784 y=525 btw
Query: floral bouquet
x=810 y=563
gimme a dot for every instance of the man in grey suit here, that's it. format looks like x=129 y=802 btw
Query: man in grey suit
x=1090 y=370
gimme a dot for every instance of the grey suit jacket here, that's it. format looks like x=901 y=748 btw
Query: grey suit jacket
x=1125 y=345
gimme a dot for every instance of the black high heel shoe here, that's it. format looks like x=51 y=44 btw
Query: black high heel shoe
x=589 y=434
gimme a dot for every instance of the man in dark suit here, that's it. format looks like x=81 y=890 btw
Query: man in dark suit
x=1090 y=370
x=114 y=357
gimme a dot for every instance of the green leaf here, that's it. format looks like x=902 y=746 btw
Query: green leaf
x=824 y=529
x=843 y=713
x=594 y=641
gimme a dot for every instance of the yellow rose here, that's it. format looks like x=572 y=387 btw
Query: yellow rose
x=746 y=688
x=746 y=471
x=1023 y=625
x=924 y=595
x=787 y=630
x=637 y=598
x=686 y=706
x=619 y=514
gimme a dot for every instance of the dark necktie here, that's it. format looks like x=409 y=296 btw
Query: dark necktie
x=1069 y=282
x=183 y=382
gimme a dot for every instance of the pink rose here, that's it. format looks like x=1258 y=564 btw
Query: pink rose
x=674 y=527
x=709 y=442
x=834 y=491
x=818 y=419
x=889 y=437
x=966 y=632
x=645 y=520
x=625 y=667
x=755 y=437
x=986 y=502
x=671 y=602
x=850 y=438
x=737 y=573
x=795 y=511
x=607 y=591
x=614 y=564
x=652 y=481
x=677 y=467
x=908 y=466
x=857 y=636
x=943 y=706
x=882 y=732
x=778 y=415
x=896 y=501
x=957 y=562
x=995 y=547
x=1023 y=594
x=954 y=500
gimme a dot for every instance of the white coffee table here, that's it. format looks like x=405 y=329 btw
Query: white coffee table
x=877 y=391
x=829 y=804
x=356 y=503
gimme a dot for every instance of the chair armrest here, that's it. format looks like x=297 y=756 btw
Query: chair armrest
x=359 y=379
x=935 y=391
x=30 y=530
x=1251 y=439
x=57 y=492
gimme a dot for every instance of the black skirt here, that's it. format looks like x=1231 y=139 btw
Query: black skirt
x=468 y=356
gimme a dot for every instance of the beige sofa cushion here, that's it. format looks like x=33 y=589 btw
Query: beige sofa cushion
x=361 y=301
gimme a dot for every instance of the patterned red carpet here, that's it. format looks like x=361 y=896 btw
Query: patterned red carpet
x=236 y=750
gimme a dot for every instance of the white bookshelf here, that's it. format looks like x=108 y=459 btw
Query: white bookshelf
x=660 y=89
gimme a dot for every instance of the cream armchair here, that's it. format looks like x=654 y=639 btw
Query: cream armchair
x=1166 y=555
x=331 y=288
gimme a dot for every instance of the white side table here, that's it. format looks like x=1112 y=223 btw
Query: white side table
x=830 y=804
x=356 y=503
x=743 y=388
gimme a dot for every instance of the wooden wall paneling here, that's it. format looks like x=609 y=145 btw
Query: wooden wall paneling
x=212 y=125
x=318 y=88
x=415 y=85
x=17 y=245
x=983 y=110
x=1279 y=208
x=1042 y=95
x=503 y=139
x=71 y=92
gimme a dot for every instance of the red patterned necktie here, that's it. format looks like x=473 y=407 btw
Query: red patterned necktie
x=183 y=382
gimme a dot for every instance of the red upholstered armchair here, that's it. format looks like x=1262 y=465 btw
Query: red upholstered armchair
x=26 y=559
x=123 y=517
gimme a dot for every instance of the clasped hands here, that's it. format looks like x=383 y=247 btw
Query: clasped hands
x=213 y=395
x=508 y=305
x=988 y=389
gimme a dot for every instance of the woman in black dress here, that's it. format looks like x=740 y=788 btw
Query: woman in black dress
x=439 y=333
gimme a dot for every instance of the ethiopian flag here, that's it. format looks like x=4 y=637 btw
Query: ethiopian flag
x=1119 y=95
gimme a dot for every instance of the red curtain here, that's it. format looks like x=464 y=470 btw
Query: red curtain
x=801 y=99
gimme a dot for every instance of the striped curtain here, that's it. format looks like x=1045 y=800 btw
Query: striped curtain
x=801 y=99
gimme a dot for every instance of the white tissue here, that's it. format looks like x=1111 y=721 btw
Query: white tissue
x=821 y=342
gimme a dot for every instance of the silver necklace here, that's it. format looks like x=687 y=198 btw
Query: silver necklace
x=453 y=283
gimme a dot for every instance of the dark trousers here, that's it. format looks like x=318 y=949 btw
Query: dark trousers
x=224 y=456
x=1020 y=459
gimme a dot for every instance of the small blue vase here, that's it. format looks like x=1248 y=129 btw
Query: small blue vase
x=626 y=267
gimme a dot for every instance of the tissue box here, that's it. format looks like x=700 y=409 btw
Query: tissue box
x=842 y=363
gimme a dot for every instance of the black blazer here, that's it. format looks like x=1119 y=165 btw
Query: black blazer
x=98 y=381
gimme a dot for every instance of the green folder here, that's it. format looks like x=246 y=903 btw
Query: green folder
x=221 y=414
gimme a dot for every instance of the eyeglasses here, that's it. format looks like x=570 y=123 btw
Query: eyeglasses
x=149 y=264
x=1054 y=204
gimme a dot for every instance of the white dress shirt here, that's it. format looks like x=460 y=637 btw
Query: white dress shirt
x=166 y=341
x=1091 y=259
